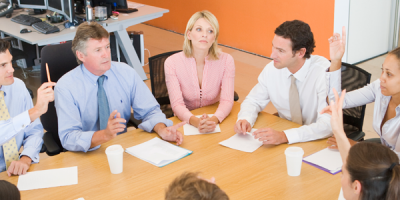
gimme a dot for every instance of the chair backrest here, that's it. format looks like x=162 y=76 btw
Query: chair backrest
x=157 y=80
x=354 y=78
x=60 y=60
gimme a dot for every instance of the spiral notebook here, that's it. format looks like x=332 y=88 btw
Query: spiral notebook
x=158 y=152
x=328 y=160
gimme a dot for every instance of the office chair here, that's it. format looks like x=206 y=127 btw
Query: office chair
x=158 y=85
x=60 y=60
x=354 y=78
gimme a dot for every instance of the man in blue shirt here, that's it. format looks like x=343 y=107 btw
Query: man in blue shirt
x=94 y=100
x=19 y=120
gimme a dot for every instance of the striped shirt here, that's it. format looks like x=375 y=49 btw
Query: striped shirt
x=185 y=93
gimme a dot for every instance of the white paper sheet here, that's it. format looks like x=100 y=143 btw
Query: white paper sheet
x=341 y=197
x=327 y=158
x=191 y=130
x=158 y=152
x=134 y=5
x=48 y=178
x=241 y=142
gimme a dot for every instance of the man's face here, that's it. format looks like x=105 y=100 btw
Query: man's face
x=282 y=52
x=98 y=56
x=6 y=69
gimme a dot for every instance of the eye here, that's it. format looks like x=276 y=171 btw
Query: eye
x=108 y=46
x=389 y=74
x=211 y=31
x=198 y=29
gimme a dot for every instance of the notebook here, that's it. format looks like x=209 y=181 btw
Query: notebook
x=158 y=152
x=328 y=160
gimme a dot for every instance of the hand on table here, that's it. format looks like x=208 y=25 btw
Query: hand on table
x=333 y=145
x=206 y=124
x=171 y=133
x=270 y=136
x=19 y=167
x=242 y=126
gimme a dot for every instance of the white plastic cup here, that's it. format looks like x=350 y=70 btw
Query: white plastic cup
x=294 y=159
x=115 y=155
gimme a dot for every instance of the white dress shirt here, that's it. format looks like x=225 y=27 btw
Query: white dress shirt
x=368 y=94
x=274 y=84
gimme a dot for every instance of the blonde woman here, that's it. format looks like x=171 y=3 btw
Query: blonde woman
x=201 y=75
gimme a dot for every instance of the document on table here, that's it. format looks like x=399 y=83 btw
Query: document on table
x=328 y=160
x=158 y=152
x=48 y=178
x=191 y=130
x=134 y=4
x=241 y=142
x=341 y=197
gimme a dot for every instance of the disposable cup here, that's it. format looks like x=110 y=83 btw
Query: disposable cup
x=294 y=159
x=115 y=155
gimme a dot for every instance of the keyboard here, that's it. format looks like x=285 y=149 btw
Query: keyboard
x=25 y=20
x=45 y=27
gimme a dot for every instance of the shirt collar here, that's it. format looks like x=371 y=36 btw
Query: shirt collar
x=302 y=73
x=93 y=78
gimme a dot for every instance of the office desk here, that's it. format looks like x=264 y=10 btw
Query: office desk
x=119 y=26
x=258 y=175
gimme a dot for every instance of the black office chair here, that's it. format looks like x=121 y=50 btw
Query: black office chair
x=158 y=85
x=354 y=78
x=60 y=60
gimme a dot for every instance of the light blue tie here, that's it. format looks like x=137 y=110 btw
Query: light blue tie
x=104 y=110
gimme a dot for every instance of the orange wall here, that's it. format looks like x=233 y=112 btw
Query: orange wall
x=250 y=24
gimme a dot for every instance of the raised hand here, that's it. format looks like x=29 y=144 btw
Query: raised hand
x=337 y=45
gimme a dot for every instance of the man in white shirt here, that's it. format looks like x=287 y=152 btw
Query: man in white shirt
x=295 y=82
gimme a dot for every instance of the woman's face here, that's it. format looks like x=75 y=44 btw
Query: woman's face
x=202 y=35
x=349 y=192
x=390 y=77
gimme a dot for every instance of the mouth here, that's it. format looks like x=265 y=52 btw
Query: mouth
x=10 y=76
x=105 y=62
x=383 y=88
x=203 y=41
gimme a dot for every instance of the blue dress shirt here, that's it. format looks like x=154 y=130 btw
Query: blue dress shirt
x=77 y=108
x=26 y=134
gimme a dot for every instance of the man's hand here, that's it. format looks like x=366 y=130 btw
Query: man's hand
x=45 y=94
x=270 y=136
x=170 y=133
x=19 y=167
x=333 y=145
x=114 y=126
x=207 y=124
x=337 y=47
x=242 y=126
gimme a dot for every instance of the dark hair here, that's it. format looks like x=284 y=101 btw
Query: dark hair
x=8 y=191
x=377 y=168
x=189 y=186
x=85 y=32
x=396 y=52
x=4 y=46
x=300 y=34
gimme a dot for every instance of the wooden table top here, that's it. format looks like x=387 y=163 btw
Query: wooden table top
x=258 y=175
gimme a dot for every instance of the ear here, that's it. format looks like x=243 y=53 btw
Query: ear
x=188 y=35
x=301 y=52
x=356 y=186
x=80 y=56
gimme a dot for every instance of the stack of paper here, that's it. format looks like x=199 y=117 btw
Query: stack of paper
x=158 y=152
x=48 y=178
x=241 y=142
x=328 y=160
x=191 y=130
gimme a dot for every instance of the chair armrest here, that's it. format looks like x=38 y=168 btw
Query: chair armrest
x=51 y=145
x=235 y=96
x=356 y=136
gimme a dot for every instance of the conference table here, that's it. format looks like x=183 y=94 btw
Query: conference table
x=118 y=27
x=258 y=175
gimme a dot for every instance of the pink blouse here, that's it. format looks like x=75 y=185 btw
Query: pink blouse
x=183 y=84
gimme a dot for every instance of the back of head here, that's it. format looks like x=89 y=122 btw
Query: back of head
x=4 y=46
x=377 y=168
x=189 y=186
x=8 y=191
x=300 y=34
x=85 y=32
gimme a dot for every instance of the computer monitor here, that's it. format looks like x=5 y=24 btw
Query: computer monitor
x=63 y=7
x=120 y=3
x=34 y=4
x=55 y=5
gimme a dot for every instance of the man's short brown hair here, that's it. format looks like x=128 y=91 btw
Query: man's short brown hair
x=85 y=32
x=299 y=34
x=189 y=186
x=4 y=46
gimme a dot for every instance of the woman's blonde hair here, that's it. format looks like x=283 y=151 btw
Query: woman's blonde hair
x=213 y=52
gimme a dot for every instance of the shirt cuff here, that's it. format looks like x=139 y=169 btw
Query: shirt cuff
x=86 y=140
x=21 y=121
x=292 y=136
x=148 y=125
x=32 y=153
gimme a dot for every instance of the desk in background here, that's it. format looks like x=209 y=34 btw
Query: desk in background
x=119 y=26
x=258 y=175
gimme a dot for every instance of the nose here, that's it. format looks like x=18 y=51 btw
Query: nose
x=10 y=69
x=382 y=77
x=273 y=54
